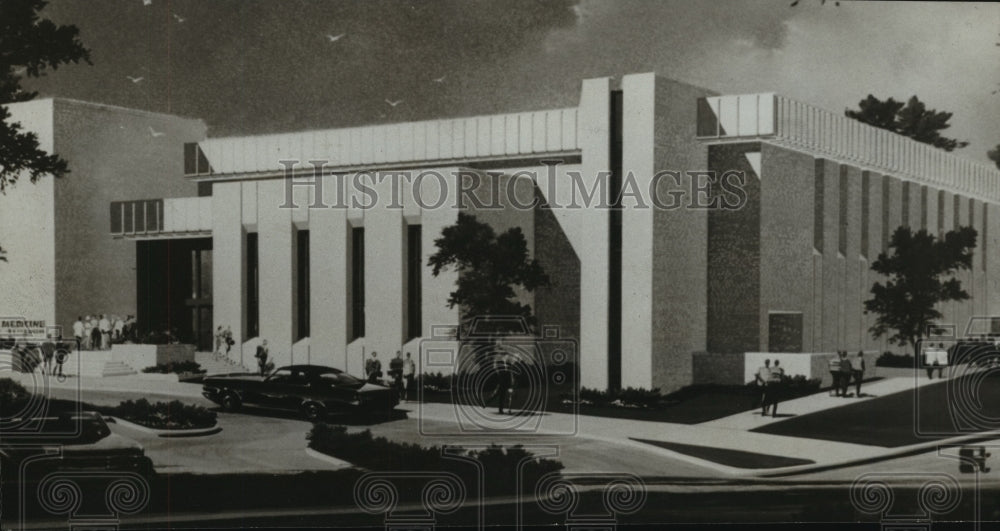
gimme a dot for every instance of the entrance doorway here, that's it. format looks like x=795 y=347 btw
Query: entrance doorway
x=174 y=290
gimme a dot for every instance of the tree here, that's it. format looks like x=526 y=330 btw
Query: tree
x=920 y=274
x=489 y=268
x=29 y=46
x=912 y=119
x=994 y=155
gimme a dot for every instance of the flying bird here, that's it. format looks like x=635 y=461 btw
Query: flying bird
x=439 y=79
x=335 y=38
x=147 y=2
x=179 y=18
x=155 y=133
x=135 y=79
x=394 y=103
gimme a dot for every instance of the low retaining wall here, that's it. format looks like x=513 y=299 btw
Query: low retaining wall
x=740 y=368
x=141 y=356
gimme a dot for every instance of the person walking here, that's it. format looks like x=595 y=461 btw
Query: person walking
x=761 y=378
x=119 y=328
x=845 y=373
x=78 y=333
x=105 y=327
x=88 y=333
x=504 y=382
x=858 y=370
x=373 y=368
x=409 y=370
x=396 y=372
x=261 y=355
x=48 y=349
x=228 y=339
x=775 y=386
x=95 y=335
x=835 y=374
x=61 y=354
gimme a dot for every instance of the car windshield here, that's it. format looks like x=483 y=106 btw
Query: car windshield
x=339 y=378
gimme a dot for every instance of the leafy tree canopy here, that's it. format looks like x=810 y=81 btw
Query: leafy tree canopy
x=29 y=46
x=919 y=276
x=489 y=266
x=994 y=155
x=911 y=119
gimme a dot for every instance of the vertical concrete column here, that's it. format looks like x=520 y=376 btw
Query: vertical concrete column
x=594 y=135
x=228 y=266
x=833 y=260
x=434 y=217
x=992 y=242
x=328 y=266
x=853 y=264
x=384 y=260
x=963 y=310
x=638 y=165
x=868 y=278
x=949 y=309
x=786 y=239
x=276 y=251
x=663 y=321
x=976 y=274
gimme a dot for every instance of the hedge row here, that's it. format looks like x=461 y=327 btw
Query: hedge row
x=174 y=415
x=500 y=464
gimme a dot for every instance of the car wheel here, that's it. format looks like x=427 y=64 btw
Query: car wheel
x=230 y=402
x=313 y=411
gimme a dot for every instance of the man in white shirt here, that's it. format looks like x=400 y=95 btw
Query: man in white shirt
x=105 y=327
x=78 y=332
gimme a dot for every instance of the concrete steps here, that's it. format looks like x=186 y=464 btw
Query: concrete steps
x=213 y=364
x=116 y=368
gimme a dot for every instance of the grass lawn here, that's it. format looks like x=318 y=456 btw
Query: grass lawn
x=894 y=420
x=691 y=406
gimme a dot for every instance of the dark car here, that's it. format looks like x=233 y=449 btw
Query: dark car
x=312 y=390
x=79 y=442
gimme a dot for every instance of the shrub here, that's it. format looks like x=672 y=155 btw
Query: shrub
x=174 y=415
x=888 y=359
x=177 y=367
x=629 y=397
x=13 y=397
x=436 y=381
x=500 y=464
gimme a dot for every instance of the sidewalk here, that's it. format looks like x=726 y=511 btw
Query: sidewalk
x=728 y=433
x=749 y=420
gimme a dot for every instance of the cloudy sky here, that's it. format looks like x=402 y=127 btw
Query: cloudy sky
x=255 y=66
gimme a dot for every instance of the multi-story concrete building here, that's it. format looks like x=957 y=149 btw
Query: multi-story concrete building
x=653 y=291
x=61 y=262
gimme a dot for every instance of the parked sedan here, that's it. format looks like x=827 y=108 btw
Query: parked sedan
x=312 y=390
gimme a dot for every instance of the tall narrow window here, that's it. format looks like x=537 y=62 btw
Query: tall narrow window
x=923 y=207
x=866 y=181
x=842 y=213
x=940 y=219
x=957 y=212
x=414 y=325
x=886 y=207
x=302 y=284
x=906 y=204
x=253 y=286
x=358 y=282
x=986 y=238
x=818 y=206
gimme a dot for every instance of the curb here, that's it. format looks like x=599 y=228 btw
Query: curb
x=329 y=459
x=199 y=432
